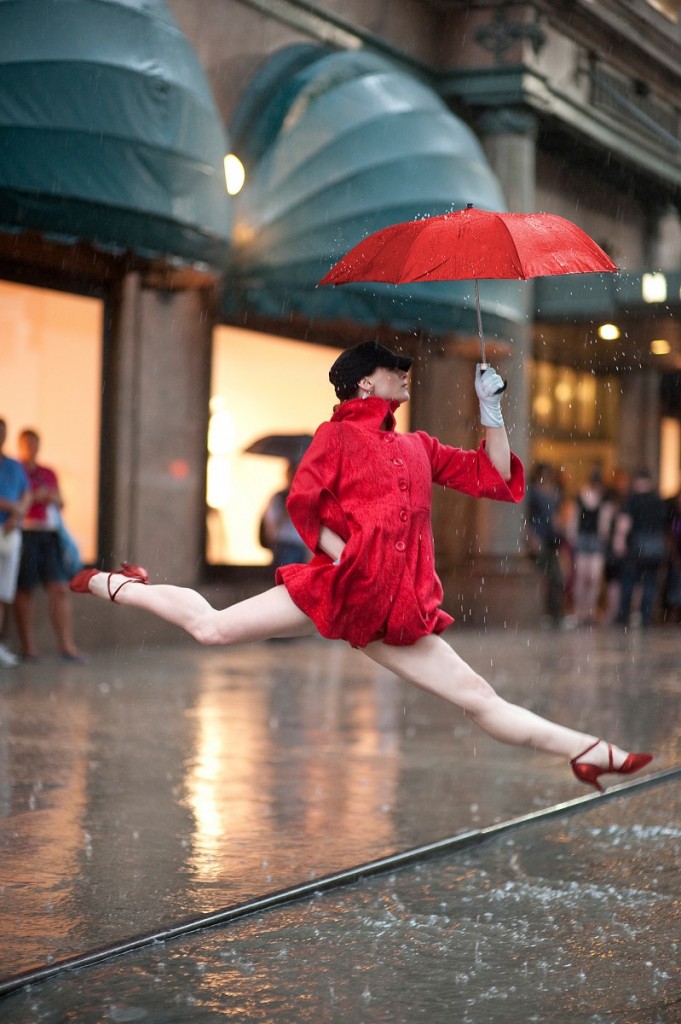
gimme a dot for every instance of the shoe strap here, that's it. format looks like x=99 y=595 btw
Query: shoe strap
x=131 y=579
x=592 y=747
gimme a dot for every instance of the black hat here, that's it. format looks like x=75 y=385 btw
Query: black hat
x=357 y=362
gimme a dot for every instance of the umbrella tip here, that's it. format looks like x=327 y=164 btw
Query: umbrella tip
x=469 y=206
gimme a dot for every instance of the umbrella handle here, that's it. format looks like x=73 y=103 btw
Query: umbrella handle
x=483 y=361
x=499 y=391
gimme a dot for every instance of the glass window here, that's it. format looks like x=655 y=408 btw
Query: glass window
x=51 y=381
x=261 y=385
x=574 y=403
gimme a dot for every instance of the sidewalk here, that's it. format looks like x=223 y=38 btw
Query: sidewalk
x=149 y=787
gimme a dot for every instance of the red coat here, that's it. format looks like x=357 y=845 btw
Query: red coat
x=373 y=487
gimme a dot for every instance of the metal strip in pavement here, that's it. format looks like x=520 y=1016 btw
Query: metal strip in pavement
x=328 y=883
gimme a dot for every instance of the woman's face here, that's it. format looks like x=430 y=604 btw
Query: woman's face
x=391 y=385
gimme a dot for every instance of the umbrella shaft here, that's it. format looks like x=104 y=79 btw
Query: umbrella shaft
x=477 y=310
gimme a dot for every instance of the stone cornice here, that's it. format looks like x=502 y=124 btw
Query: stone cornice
x=520 y=87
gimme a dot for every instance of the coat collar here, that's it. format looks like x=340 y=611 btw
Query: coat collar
x=366 y=412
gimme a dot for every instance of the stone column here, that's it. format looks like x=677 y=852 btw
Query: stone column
x=509 y=591
x=639 y=432
x=157 y=413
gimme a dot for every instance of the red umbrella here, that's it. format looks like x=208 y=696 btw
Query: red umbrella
x=473 y=244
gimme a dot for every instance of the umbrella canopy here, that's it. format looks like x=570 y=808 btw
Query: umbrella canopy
x=281 y=446
x=472 y=244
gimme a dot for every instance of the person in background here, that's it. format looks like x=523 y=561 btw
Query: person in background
x=617 y=494
x=544 y=536
x=640 y=538
x=14 y=500
x=673 y=591
x=41 y=561
x=278 y=532
x=587 y=529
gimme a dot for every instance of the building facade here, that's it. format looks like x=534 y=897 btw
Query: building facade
x=155 y=326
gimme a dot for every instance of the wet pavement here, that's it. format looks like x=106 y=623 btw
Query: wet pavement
x=152 y=786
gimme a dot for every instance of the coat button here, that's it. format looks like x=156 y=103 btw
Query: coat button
x=400 y=546
x=404 y=515
x=398 y=462
x=403 y=485
x=389 y=438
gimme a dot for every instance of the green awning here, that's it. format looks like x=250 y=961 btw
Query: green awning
x=597 y=296
x=337 y=145
x=108 y=130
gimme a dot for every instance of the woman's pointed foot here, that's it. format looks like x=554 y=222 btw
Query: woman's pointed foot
x=135 y=572
x=589 y=773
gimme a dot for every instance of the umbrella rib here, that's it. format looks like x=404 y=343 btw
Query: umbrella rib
x=428 y=272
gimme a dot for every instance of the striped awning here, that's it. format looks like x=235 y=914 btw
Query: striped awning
x=108 y=130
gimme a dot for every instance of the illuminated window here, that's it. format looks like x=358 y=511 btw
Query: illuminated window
x=654 y=287
x=260 y=385
x=573 y=404
x=51 y=351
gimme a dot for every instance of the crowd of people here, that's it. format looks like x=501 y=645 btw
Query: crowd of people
x=609 y=553
x=31 y=554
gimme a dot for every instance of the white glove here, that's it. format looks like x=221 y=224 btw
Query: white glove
x=489 y=388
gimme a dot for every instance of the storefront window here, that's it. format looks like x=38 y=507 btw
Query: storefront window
x=51 y=381
x=574 y=419
x=261 y=385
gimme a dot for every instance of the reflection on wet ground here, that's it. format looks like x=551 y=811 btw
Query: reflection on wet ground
x=152 y=786
x=576 y=921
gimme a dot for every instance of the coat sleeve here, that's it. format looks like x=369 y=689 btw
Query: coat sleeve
x=472 y=472
x=312 y=501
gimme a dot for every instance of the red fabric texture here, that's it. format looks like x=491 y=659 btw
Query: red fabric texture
x=373 y=487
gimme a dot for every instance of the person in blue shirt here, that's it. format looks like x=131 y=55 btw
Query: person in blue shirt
x=15 y=493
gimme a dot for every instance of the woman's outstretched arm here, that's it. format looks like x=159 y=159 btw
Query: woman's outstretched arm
x=499 y=450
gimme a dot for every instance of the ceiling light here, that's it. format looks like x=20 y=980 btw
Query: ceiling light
x=609 y=332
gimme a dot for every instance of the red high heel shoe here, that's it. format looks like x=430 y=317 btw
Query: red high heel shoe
x=589 y=773
x=135 y=574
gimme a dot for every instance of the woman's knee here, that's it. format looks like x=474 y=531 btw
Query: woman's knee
x=479 y=694
x=208 y=631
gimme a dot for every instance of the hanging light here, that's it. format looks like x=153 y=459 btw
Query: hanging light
x=235 y=174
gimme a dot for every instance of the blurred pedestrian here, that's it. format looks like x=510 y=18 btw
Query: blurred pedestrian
x=277 y=532
x=640 y=538
x=14 y=499
x=587 y=529
x=361 y=500
x=544 y=537
x=41 y=560
x=617 y=494
x=673 y=589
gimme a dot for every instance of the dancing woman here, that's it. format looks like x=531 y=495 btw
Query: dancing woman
x=361 y=501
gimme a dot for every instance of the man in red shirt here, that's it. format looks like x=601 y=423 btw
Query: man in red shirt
x=41 y=561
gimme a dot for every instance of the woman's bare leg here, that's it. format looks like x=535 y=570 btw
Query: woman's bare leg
x=267 y=615
x=432 y=664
